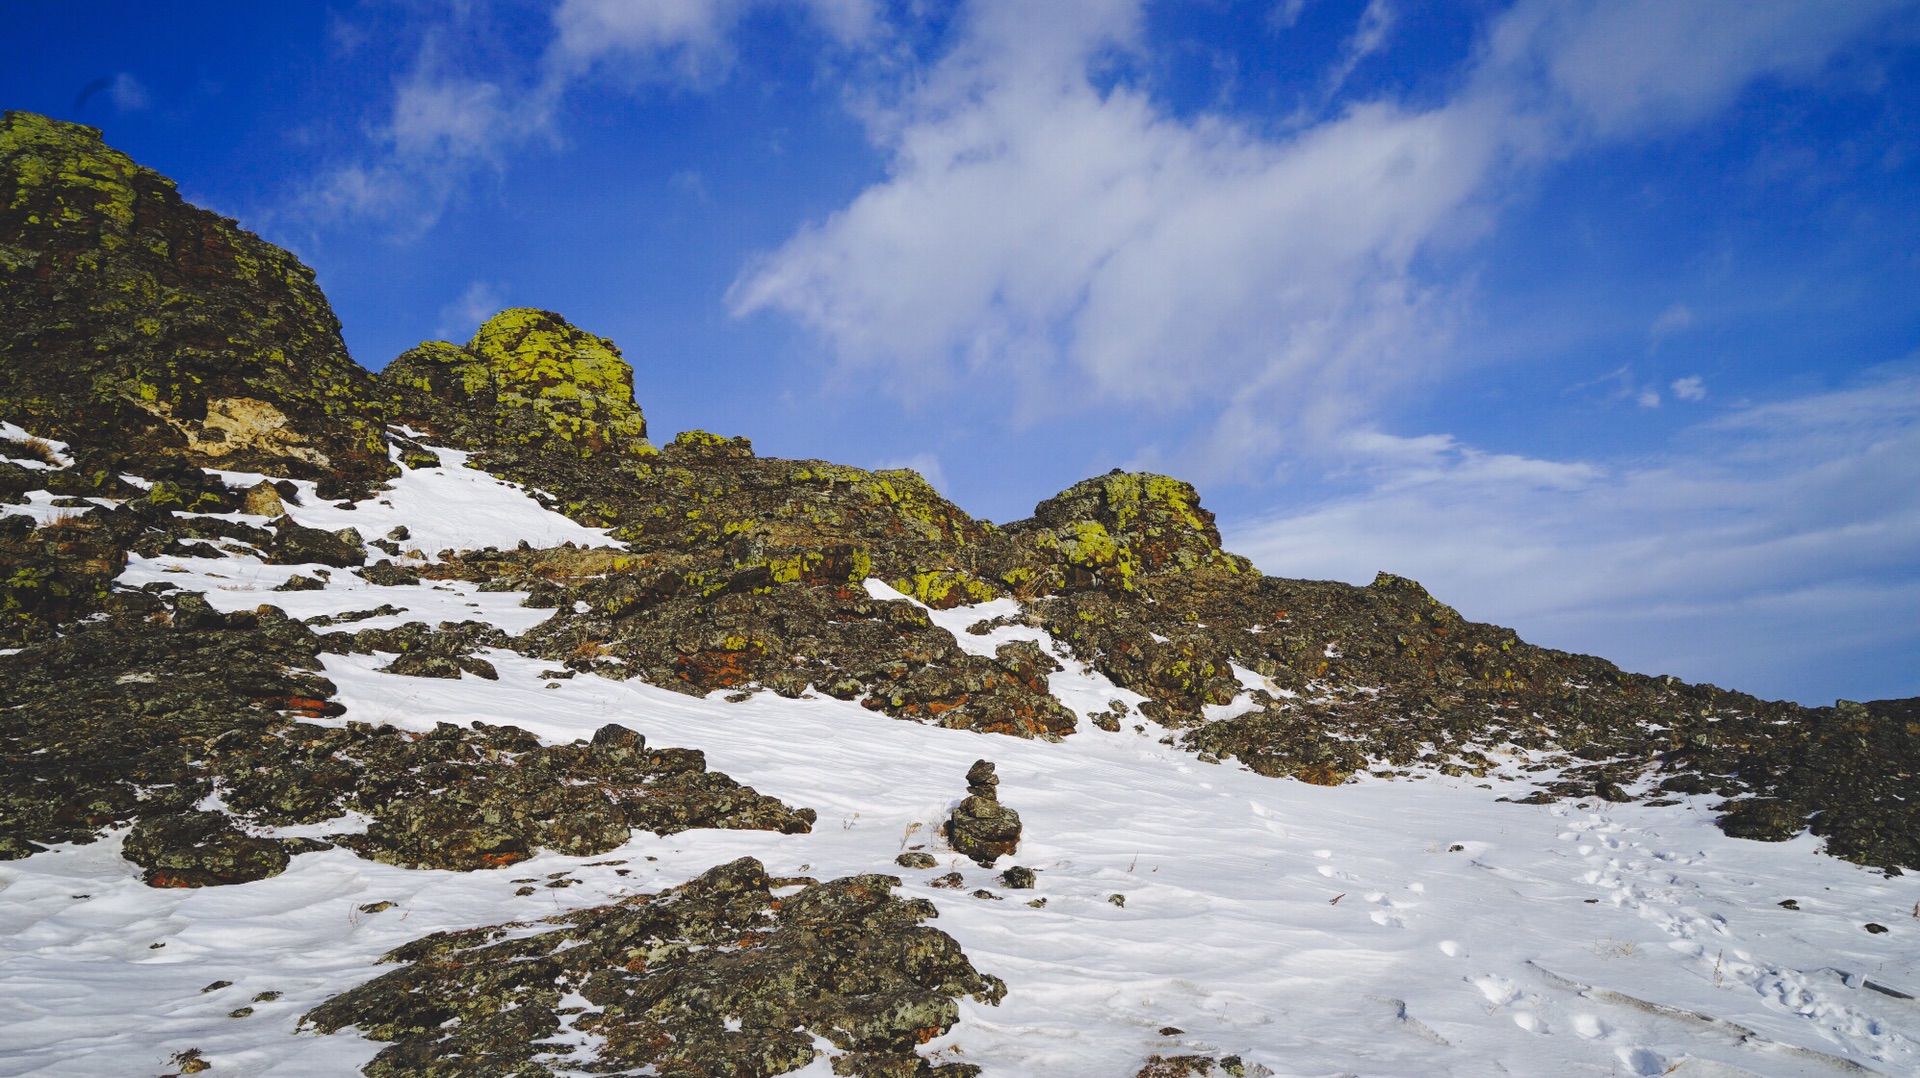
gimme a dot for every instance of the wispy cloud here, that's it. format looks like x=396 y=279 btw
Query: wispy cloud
x=1369 y=37
x=481 y=301
x=1758 y=550
x=123 y=90
x=1671 y=321
x=1690 y=388
x=453 y=119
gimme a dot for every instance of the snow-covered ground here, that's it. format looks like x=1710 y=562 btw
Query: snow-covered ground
x=1378 y=928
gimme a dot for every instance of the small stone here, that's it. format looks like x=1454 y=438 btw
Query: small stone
x=1118 y=900
x=216 y=986
x=240 y=1013
x=1876 y=929
x=1790 y=904
x=1018 y=878
x=1171 y=1031
x=916 y=860
x=1037 y=903
x=376 y=907
x=262 y=500
x=266 y=997
x=980 y=778
x=984 y=893
x=524 y=891
x=951 y=881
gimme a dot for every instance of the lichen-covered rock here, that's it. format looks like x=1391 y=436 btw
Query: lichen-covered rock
x=981 y=827
x=797 y=624
x=716 y=977
x=142 y=328
x=55 y=574
x=1112 y=530
x=1193 y=1066
x=529 y=384
x=134 y=718
x=295 y=544
x=201 y=849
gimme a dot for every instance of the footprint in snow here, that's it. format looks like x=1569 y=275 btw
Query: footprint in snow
x=1498 y=990
x=1589 y=1027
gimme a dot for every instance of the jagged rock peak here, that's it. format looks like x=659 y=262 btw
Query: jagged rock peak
x=528 y=383
x=1113 y=528
x=148 y=329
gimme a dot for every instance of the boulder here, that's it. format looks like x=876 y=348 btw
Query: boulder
x=148 y=330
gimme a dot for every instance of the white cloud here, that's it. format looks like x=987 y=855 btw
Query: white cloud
x=927 y=464
x=684 y=39
x=1671 y=321
x=445 y=127
x=442 y=131
x=1624 y=66
x=1647 y=398
x=1286 y=14
x=1690 y=388
x=1071 y=246
x=128 y=94
x=1369 y=37
x=449 y=118
x=1758 y=552
x=481 y=301
x=1040 y=233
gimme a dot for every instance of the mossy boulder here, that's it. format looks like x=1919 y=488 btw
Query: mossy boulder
x=1115 y=529
x=715 y=977
x=528 y=384
x=201 y=849
x=143 y=328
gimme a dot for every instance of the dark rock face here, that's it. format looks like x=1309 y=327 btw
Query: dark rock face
x=144 y=329
x=1018 y=878
x=135 y=718
x=783 y=624
x=717 y=977
x=296 y=545
x=200 y=849
x=53 y=575
x=981 y=827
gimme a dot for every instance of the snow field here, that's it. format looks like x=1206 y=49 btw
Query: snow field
x=1378 y=928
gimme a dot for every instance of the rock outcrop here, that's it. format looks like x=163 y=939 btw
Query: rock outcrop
x=716 y=977
x=529 y=385
x=1114 y=530
x=138 y=716
x=145 y=329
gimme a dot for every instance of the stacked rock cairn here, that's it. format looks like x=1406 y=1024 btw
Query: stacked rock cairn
x=981 y=827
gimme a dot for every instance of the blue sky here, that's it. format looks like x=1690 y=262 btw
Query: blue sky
x=1600 y=319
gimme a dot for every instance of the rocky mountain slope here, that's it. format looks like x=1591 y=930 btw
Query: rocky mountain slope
x=185 y=429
